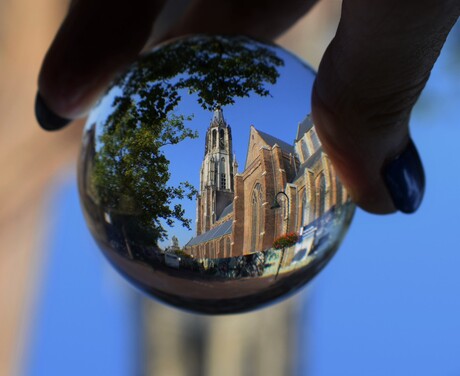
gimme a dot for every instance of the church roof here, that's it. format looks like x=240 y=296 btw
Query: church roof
x=271 y=141
x=216 y=232
x=227 y=210
x=309 y=163
x=304 y=126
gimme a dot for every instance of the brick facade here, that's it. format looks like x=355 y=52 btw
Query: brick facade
x=302 y=171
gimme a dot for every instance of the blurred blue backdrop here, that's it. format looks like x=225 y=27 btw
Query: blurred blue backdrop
x=387 y=304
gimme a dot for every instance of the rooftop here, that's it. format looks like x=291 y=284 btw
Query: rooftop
x=272 y=140
x=304 y=126
x=227 y=210
x=216 y=232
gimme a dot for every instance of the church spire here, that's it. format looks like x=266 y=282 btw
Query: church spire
x=218 y=158
x=218 y=118
x=217 y=172
x=219 y=135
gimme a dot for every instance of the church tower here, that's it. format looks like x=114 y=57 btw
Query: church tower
x=216 y=174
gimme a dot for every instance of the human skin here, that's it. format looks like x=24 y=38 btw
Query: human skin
x=368 y=81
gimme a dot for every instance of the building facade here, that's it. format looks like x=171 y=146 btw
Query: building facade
x=235 y=214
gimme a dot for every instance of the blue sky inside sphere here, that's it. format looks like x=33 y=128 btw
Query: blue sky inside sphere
x=388 y=303
x=278 y=114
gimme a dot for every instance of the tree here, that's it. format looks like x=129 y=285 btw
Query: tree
x=131 y=171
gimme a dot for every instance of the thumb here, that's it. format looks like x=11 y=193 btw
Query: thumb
x=368 y=81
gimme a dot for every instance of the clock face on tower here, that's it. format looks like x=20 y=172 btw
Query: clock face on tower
x=202 y=177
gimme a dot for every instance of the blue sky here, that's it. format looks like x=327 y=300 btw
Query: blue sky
x=87 y=319
x=387 y=304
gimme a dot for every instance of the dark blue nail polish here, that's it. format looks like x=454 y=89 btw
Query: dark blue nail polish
x=47 y=119
x=405 y=179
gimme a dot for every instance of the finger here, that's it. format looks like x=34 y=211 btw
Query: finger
x=368 y=81
x=96 y=40
x=259 y=19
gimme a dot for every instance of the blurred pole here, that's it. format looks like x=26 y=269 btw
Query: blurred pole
x=261 y=343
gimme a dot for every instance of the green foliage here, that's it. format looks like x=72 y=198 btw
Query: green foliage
x=217 y=69
x=131 y=171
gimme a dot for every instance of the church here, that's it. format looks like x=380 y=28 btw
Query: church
x=235 y=214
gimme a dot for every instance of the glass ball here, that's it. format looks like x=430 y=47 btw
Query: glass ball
x=202 y=178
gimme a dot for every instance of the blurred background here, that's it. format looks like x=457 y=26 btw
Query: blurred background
x=387 y=304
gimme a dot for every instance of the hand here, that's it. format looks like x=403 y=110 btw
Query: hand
x=368 y=81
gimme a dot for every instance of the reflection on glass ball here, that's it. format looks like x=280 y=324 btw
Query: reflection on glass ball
x=202 y=178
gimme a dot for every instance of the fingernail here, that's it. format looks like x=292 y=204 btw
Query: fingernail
x=47 y=119
x=405 y=180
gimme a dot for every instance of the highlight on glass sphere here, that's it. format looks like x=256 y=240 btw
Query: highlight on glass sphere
x=202 y=178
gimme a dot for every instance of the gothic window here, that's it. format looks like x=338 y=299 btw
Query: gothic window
x=227 y=248
x=211 y=250
x=304 y=207
x=212 y=171
x=315 y=140
x=223 y=176
x=214 y=136
x=221 y=139
x=304 y=147
x=307 y=208
x=222 y=164
x=321 y=194
x=223 y=181
x=256 y=220
x=221 y=249
x=261 y=214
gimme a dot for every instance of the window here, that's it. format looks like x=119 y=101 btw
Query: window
x=222 y=164
x=304 y=147
x=223 y=181
x=223 y=176
x=221 y=139
x=221 y=249
x=256 y=220
x=321 y=194
x=304 y=208
x=227 y=248
x=214 y=137
x=315 y=140
x=212 y=171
